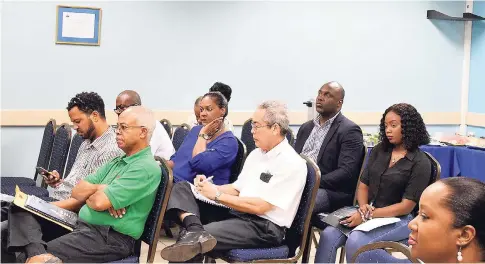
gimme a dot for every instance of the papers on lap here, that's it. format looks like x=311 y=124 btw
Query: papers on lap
x=202 y=198
x=46 y=210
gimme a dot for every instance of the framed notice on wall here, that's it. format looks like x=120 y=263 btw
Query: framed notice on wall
x=78 y=25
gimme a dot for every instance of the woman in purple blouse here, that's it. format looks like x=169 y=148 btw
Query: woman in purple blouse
x=209 y=149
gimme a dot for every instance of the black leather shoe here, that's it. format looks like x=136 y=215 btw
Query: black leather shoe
x=188 y=245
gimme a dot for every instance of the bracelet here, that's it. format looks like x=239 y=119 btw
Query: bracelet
x=362 y=216
x=216 y=198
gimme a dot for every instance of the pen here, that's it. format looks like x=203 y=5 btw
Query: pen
x=368 y=212
x=210 y=178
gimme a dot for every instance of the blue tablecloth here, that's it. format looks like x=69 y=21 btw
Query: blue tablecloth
x=458 y=161
x=471 y=163
x=447 y=159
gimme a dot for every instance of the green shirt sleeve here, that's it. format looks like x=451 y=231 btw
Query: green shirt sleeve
x=98 y=176
x=136 y=183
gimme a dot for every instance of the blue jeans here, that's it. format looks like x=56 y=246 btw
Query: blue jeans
x=331 y=239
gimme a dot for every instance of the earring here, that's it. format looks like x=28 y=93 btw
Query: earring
x=459 y=257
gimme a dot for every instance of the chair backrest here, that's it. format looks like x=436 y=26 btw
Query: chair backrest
x=76 y=142
x=168 y=127
x=151 y=233
x=62 y=141
x=375 y=253
x=435 y=169
x=291 y=137
x=179 y=135
x=296 y=236
x=239 y=162
x=247 y=136
x=362 y=167
x=46 y=146
x=435 y=176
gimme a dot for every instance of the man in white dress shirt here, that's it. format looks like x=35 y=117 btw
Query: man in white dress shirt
x=264 y=198
x=160 y=143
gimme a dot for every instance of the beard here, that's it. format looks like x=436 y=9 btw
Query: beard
x=90 y=133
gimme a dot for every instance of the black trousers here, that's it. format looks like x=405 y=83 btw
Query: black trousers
x=85 y=244
x=232 y=229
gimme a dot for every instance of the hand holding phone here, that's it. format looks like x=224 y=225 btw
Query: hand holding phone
x=45 y=173
x=52 y=178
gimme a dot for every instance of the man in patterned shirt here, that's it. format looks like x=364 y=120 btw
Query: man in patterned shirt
x=86 y=111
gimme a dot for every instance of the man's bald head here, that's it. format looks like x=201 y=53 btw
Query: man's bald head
x=126 y=99
x=337 y=87
x=329 y=100
x=131 y=95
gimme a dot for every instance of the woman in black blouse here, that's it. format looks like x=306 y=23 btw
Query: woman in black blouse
x=391 y=185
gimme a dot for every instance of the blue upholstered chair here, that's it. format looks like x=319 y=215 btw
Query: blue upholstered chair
x=247 y=136
x=42 y=160
x=76 y=142
x=239 y=162
x=28 y=189
x=60 y=148
x=376 y=253
x=296 y=236
x=154 y=221
x=179 y=135
x=168 y=127
x=290 y=136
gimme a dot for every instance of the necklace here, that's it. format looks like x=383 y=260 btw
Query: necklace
x=397 y=157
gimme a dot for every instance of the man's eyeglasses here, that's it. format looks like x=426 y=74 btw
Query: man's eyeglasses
x=124 y=127
x=120 y=108
x=256 y=127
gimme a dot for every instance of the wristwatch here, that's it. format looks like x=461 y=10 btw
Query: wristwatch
x=216 y=198
x=205 y=136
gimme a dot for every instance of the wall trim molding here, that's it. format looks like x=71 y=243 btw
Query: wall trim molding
x=36 y=117
x=475 y=119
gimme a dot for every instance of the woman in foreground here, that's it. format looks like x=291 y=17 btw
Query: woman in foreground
x=450 y=226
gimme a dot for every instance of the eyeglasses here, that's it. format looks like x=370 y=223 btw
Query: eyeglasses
x=120 y=108
x=124 y=127
x=256 y=127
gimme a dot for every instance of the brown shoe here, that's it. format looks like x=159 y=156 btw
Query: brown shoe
x=44 y=258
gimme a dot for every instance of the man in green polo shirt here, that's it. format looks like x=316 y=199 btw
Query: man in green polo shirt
x=128 y=184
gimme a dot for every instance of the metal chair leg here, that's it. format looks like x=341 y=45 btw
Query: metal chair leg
x=208 y=259
x=306 y=253
x=314 y=237
x=342 y=254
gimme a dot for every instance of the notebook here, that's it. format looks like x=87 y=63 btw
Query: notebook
x=46 y=210
x=334 y=219
x=202 y=198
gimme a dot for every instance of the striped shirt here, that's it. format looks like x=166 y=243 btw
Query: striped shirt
x=315 y=140
x=90 y=157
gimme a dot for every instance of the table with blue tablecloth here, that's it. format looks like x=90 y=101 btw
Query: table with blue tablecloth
x=458 y=161
x=446 y=157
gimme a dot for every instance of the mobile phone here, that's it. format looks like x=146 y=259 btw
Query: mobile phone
x=343 y=218
x=43 y=172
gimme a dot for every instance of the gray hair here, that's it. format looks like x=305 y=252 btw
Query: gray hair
x=276 y=113
x=144 y=117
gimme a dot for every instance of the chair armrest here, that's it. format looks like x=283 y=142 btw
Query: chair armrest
x=398 y=247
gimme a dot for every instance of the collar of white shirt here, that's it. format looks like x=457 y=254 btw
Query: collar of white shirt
x=276 y=150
